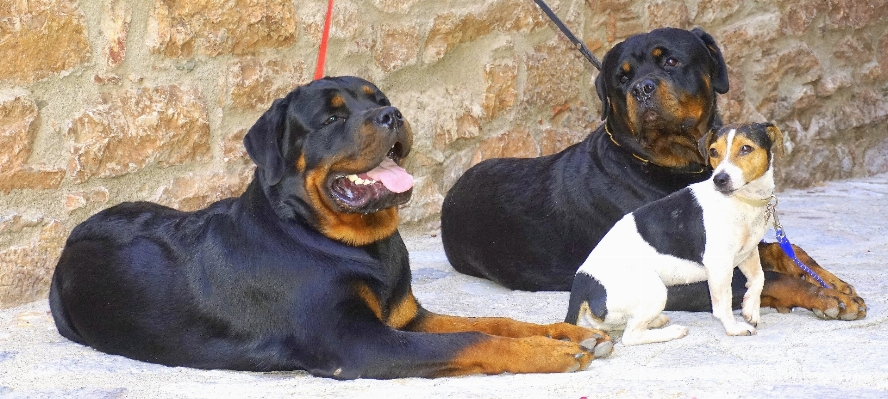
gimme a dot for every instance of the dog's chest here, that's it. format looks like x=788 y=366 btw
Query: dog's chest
x=732 y=227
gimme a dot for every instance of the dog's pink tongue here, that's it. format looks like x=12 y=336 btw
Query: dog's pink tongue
x=392 y=176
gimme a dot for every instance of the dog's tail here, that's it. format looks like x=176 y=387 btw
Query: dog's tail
x=587 y=295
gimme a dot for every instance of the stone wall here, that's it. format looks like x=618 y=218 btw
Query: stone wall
x=116 y=100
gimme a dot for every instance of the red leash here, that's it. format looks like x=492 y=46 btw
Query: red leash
x=322 y=51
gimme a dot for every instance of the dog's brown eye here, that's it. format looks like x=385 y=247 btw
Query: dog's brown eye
x=671 y=62
x=746 y=149
x=624 y=79
x=713 y=153
x=331 y=119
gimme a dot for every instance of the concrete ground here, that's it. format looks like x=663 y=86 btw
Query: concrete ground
x=842 y=224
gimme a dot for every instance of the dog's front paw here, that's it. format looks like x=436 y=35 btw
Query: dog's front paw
x=752 y=309
x=596 y=341
x=752 y=316
x=739 y=329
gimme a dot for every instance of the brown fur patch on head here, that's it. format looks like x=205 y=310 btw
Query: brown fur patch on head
x=368 y=90
x=657 y=52
x=626 y=67
x=718 y=148
x=751 y=158
x=337 y=101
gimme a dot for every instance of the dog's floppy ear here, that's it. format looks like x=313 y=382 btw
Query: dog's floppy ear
x=264 y=141
x=601 y=79
x=703 y=145
x=776 y=137
x=602 y=95
x=720 y=74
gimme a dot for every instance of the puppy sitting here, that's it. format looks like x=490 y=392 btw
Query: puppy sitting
x=698 y=233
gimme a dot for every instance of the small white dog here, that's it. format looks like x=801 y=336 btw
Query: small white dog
x=701 y=232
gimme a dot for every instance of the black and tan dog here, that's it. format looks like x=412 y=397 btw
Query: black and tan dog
x=529 y=223
x=305 y=270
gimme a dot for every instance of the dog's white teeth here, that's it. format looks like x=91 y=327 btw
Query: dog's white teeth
x=359 y=181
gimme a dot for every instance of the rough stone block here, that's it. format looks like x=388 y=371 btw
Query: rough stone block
x=749 y=39
x=116 y=19
x=500 y=92
x=853 y=49
x=798 y=15
x=30 y=178
x=194 y=191
x=186 y=28
x=253 y=83
x=19 y=122
x=396 y=46
x=855 y=14
x=709 y=11
x=46 y=38
x=467 y=127
x=557 y=139
x=26 y=270
x=517 y=143
x=551 y=80
x=667 y=13
x=166 y=125
x=80 y=199
x=451 y=29
x=233 y=148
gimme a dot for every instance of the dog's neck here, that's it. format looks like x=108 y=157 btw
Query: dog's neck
x=757 y=192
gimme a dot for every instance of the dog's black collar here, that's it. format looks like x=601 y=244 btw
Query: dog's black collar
x=644 y=160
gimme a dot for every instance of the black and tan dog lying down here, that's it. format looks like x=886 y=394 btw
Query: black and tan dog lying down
x=530 y=223
x=304 y=271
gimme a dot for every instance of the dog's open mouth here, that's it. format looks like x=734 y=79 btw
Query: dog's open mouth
x=384 y=186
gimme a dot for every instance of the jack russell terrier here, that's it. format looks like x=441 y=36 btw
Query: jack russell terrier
x=698 y=233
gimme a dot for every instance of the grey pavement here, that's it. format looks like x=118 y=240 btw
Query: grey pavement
x=841 y=224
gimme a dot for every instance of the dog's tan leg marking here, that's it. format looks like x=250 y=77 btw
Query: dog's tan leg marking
x=794 y=288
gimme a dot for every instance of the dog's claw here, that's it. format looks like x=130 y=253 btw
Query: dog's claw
x=598 y=349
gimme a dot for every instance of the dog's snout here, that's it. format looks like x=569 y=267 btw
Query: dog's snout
x=389 y=118
x=643 y=89
x=722 y=181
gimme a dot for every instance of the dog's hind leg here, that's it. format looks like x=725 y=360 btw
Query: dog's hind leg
x=648 y=314
x=659 y=321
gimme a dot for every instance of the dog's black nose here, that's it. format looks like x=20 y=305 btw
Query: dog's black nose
x=721 y=181
x=643 y=89
x=389 y=118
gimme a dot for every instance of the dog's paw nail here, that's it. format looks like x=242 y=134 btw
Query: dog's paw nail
x=832 y=313
x=598 y=349
x=603 y=349
x=818 y=313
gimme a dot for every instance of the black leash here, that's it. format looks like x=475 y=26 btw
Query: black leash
x=580 y=46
